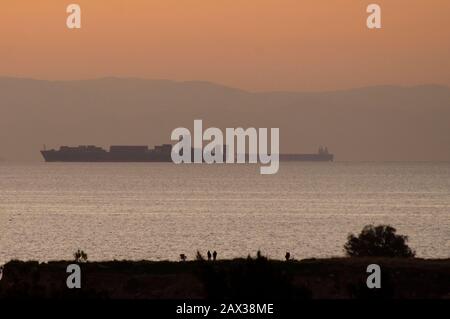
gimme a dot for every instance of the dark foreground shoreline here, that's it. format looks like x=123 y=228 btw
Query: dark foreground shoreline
x=336 y=278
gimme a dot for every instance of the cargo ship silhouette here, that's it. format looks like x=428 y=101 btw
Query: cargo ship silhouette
x=160 y=153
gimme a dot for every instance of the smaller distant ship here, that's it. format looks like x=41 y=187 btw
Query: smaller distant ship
x=160 y=153
x=321 y=156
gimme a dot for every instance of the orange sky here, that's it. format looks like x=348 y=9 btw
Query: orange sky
x=251 y=44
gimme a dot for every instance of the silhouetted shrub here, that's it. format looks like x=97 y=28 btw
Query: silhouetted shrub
x=378 y=241
x=260 y=256
x=183 y=257
x=80 y=256
x=199 y=256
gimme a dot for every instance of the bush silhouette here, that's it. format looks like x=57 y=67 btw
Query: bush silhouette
x=378 y=241
x=199 y=256
x=260 y=256
x=80 y=256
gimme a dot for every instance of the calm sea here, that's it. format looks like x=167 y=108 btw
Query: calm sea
x=158 y=211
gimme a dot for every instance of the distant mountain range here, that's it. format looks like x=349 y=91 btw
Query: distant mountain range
x=383 y=123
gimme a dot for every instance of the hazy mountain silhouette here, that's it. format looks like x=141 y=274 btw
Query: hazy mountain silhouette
x=374 y=123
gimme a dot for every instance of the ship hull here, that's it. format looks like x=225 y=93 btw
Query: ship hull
x=58 y=156
x=306 y=157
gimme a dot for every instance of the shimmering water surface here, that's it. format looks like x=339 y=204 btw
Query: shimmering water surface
x=157 y=211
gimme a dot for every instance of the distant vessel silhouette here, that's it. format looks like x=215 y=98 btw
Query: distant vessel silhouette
x=321 y=156
x=161 y=153
x=118 y=153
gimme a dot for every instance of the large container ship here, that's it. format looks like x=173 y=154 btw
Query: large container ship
x=118 y=153
x=161 y=153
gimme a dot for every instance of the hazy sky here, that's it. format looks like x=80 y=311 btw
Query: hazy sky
x=251 y=44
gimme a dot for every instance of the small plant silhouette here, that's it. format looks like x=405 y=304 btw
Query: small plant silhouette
x=183 y=257
x=378 y=241
x=199 y=256
x=80 y=256
x=260 y=256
